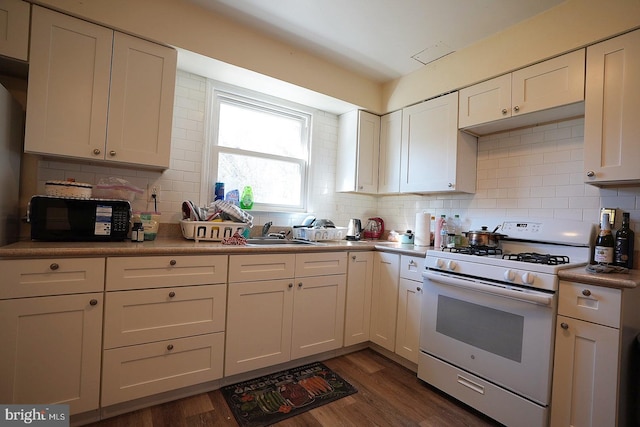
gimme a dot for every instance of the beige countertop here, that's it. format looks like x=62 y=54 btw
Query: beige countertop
x=181 y=246
x=610 y=280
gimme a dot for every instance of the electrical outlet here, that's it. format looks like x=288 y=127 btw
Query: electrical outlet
x=153 y=189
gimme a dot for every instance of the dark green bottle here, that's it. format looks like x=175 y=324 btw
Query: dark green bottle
x=623 y=249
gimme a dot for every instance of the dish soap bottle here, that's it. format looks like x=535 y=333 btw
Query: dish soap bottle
x=246 y=200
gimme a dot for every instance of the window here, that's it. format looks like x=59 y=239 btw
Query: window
x=263 y=145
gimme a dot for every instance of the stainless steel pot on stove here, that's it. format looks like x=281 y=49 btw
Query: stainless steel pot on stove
x=484 y=237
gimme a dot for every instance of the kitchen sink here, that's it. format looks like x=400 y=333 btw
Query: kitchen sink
x=271 y=241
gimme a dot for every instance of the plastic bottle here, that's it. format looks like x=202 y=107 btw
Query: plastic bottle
x=219 y=191
x=437 y=235
x=603 y=253
x=444 y=233
x=246 y=200
x=456 y=229
x=624 y=244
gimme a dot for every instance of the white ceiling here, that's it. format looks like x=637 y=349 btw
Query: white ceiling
x=382 y=39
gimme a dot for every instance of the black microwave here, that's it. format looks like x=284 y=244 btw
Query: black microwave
x=80 y=220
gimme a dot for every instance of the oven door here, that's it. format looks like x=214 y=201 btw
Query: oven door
x=499 y=333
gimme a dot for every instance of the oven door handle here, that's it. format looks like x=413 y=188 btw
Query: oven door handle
x=530 y=296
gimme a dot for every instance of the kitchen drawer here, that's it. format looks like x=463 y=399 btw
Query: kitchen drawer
x=249 y=268
x=594 y=304
x=411 y=267
x=165 y=271
x=142 y=316
x=321 y=264
x=41 y=277
x=144 y=370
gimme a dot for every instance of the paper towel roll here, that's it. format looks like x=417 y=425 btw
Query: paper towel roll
x=423 y=229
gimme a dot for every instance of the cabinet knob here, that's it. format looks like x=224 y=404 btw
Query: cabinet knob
x=172 y=294
x=419 y=289
x=505 y=111
x=290 y=285
x=300 y=285
x=112 y=153
x=412 y=262
x=591 y=174
x=353 y=257
x=54 y=266
x=93 y=302
x=170 y=347
x=450 y=185
x=172 y=262
x=516 y=108
x=96 y=151
x=586 y=292
x=564 y=326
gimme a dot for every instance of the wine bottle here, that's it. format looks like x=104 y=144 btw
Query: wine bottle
x=623 y=250
x=603 y=253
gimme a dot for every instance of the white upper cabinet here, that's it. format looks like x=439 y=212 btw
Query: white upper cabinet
x=553 y=89
x=436 y=156
x=14 y=29
x=98 y=94
x=611 y=128
x=390 y=142
x=358 y=150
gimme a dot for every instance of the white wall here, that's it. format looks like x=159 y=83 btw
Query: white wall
x=532 y=172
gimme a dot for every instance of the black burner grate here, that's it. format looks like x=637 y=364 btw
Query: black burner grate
x=474 y=250
x=536 y=258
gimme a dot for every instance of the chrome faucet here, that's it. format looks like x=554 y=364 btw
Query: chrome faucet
x=265 y=228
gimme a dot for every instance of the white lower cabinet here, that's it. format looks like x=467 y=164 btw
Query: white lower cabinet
x=409 y=307
x=296 y=310
x=358 y=300
x=384 y=299
x=51 y=332
x=594 y=367
x=159 y=337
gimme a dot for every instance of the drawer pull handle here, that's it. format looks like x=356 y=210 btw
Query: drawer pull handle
x=54 y=266
x=586 y=292
x=172 y=294
x=564 y=326
x=290 y=285
x=170 y=347
x=412 y=262
x=300 y=285
x=93 y=302
x=172 y=262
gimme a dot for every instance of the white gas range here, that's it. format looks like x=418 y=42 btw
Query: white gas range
x=488 y=316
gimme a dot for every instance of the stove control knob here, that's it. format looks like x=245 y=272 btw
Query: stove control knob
x=439 y=263
x=509 y=275
x=451 y=265
x=528 y=278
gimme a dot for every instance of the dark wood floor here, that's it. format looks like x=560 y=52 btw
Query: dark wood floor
x=388 y=395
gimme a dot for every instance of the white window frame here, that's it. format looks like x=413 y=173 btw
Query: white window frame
x=216 y=90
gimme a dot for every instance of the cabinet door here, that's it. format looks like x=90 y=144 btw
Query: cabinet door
x=485 y=102
x=585 y=378
x=69 y=74
x=143 y=80
x=318 y=314
x=390 y=143
x=258 y=325
x=358 y=151
x=611 y=125
x=51 y=350
x=558 y=81
x=14 y=29
x=433 y=157
x=408 y=329
x=384 y=299
x=358 y=301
